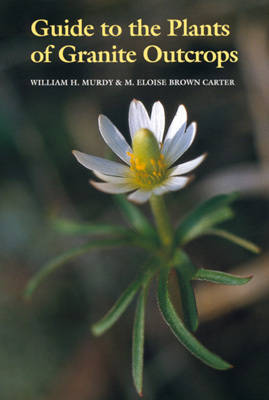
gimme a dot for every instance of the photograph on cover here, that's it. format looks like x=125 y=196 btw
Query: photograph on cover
x=134 y=200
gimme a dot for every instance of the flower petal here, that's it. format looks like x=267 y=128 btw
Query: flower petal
x=138 y=117
x=114 y=138
x=157 y=120
x=109 y=178
x=113 y=188
x=140 y=196
x=172 y=184
x=101 y=165
x=187 y=166
x=180 y=143
x=177 y=126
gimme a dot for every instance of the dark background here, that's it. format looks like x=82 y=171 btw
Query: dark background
x=46 y=349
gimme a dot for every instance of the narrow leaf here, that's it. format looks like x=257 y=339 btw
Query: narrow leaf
x=138 y=342
x=118 y=309
x=185 y=270
x=57 y=262
x=182 y=261
x=180 y=331
x=206 y=215
x=78 y=228
x=134 y=216
x=246 y=244
x=188 y=301
x=220 y=277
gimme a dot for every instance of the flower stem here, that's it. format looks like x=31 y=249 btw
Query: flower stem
x=162 y=221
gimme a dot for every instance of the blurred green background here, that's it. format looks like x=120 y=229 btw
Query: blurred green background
x=46 y=349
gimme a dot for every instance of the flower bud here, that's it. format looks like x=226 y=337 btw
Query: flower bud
x=147 y=162
x=145 y=145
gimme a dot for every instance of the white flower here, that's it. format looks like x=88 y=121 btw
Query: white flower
x=148 y=164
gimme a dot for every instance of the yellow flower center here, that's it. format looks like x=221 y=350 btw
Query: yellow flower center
x=148 y=168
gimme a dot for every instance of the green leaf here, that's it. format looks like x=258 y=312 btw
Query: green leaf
x=135 y=217
x=138 y=341
x=220 y=277
x=188 y=302
x=57 y=262
x=185 y=270
x=206 y=215
x=246 y=244
x=77 y=228
x=182 y=261
x=118 y=308
x=180 y=331
x=74 y=228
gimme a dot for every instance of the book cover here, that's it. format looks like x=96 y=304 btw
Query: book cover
x=166 y=105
